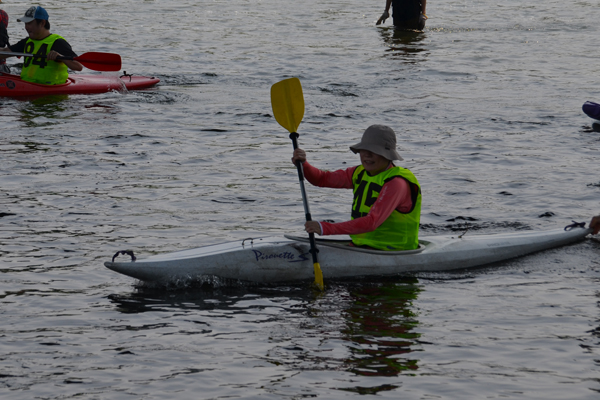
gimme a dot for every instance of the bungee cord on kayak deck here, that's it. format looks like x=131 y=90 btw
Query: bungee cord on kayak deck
x=124 y=252
x=575 y=225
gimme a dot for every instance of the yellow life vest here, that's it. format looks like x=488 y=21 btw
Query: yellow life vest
x=399 y=231
x=38 y=69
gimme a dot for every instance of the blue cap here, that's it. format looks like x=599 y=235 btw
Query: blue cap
x=35 y=12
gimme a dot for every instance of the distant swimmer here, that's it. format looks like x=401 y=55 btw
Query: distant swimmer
x=408 y=14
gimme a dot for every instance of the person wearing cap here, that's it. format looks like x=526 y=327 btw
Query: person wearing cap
x=46 y=47
x=408 y=14
x=386 y=210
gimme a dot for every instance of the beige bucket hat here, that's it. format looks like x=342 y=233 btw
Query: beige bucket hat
x=378 y=139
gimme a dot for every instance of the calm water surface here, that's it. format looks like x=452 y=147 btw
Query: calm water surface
x=487 y=107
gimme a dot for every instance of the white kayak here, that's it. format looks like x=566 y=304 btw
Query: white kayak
x=287 y=258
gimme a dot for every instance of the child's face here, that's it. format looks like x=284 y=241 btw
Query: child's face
x=373 y=163
x=35 y=30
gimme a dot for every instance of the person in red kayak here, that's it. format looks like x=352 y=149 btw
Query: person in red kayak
x=387 y=199
x=408 y=14
x=46 y=47
x=3 y=39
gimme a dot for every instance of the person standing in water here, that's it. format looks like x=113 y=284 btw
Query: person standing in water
x=408 y=14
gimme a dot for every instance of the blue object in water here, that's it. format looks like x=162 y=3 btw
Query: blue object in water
x=591 y=109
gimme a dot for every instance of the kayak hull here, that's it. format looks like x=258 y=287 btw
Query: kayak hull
x=14 y=86
x=287 y=258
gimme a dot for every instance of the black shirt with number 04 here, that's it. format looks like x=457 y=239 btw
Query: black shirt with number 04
x=61 y=46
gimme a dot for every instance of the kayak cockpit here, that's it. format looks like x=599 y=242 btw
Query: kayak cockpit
x=345 y=244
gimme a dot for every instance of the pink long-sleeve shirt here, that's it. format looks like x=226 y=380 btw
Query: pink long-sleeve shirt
x=394 y=195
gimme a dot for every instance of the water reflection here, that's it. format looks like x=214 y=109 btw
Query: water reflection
x=402 y=43
x=202 y=296
x=367 y=328
x=43 y=111
x=57 y=109
x=381 y=324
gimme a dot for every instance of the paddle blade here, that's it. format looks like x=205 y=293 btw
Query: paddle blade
x=100 y=61
x=318 y=277
x=288 y=103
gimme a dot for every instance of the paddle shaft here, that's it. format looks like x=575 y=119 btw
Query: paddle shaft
x=93 y=60
x=313 y=246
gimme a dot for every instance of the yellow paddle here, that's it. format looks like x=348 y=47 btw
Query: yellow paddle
x=288 y=107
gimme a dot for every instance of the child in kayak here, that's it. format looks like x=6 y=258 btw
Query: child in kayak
x=43 y=67
x=387 y=199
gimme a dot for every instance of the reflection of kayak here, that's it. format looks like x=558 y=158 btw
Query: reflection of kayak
x=591 y=109
x=287 y=259
x=13 y=86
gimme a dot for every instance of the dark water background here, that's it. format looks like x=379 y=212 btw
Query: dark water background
x=487 y=107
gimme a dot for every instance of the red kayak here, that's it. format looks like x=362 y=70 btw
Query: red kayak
x=13 y=86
